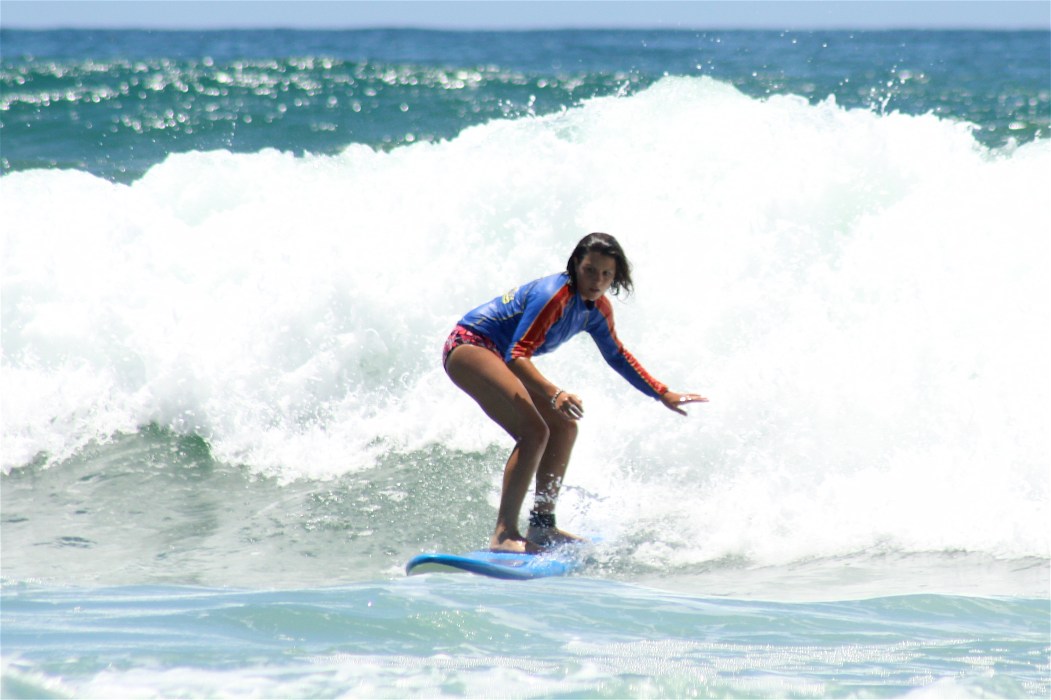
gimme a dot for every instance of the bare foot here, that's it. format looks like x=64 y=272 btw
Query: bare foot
x=515 y=544
x=548 y=537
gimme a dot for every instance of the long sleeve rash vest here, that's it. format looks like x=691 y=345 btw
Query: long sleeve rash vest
x=539 y=316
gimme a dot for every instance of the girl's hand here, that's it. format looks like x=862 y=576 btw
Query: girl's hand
x=568 y=405
x=676 y=401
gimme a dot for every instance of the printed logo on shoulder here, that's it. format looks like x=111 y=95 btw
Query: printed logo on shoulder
x=509 y=295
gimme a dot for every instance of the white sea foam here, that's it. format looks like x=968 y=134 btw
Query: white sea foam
x=863 y=297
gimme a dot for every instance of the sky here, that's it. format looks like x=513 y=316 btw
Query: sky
x=532 y=14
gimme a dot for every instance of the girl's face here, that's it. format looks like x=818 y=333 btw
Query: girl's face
x=595 y=274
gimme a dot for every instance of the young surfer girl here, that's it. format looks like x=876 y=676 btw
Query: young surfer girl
x=488 y=356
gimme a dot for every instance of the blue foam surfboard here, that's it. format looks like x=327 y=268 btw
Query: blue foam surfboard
x=505 y=565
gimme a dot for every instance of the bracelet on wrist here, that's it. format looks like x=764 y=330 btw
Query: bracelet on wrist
x=554 y=399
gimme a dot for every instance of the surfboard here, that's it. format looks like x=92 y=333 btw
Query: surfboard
x=505 y=565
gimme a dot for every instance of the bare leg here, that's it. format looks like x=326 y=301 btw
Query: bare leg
x=550 y=473
x=484 y=376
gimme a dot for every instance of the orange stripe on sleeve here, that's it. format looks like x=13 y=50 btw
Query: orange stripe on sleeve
x=534 y=336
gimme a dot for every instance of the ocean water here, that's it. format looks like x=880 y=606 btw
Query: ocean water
x=230 y=260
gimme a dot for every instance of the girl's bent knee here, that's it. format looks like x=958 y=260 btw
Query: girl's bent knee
x=564 y=430
x=535 y=432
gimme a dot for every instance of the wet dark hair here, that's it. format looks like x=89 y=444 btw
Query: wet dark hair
x=606 y=245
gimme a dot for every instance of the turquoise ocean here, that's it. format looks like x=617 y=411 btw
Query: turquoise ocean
x=229 y=262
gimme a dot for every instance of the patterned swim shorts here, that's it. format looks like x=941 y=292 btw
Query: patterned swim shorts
x=465 y=336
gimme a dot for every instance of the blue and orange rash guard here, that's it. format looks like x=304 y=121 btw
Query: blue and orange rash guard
x=537 y=317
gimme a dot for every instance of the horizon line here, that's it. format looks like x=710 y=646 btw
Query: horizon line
x=528 y=15
x=522 y=30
